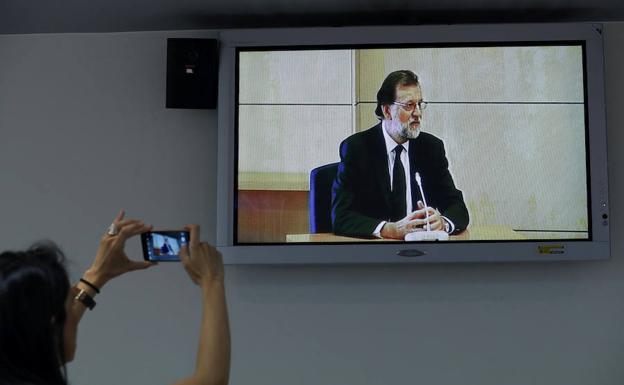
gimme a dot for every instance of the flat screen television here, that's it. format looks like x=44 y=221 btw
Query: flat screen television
x=502 y=133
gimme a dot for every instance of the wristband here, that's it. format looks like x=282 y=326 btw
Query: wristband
x=92 y=286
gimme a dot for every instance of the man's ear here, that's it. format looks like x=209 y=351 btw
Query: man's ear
x=385 y=109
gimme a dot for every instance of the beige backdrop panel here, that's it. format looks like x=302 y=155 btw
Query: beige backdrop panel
x=287 y=77
x=516 y=74
x=279 y=145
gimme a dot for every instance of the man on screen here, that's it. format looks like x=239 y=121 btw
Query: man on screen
x=374 y=196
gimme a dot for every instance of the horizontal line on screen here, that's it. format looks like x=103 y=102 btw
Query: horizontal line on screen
x=428 y=102
x=295 y=104
x=553 y=231
x=440 y=102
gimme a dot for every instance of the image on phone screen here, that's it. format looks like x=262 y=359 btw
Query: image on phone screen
x=163 y=245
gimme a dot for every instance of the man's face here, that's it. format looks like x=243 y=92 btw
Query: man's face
x=404 y=124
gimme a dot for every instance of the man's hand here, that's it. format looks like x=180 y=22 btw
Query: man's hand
x=415 y=221
x=429 y=215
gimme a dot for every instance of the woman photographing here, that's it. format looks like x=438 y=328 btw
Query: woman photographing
x=40 y=310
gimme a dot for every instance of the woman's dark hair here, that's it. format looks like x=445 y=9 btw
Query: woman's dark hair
x=387 y=91
x=33 y=289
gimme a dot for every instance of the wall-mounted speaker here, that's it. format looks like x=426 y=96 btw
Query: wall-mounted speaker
x=192 y=73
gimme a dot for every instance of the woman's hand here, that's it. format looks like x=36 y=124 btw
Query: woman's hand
x=204 y=265
x=202 y=262
x=111 y=259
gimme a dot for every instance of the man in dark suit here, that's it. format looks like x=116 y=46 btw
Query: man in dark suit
x=375 y=193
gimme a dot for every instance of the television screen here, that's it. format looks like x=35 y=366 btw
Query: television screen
x=466 y=141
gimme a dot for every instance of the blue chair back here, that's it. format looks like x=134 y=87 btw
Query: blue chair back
x=321 y=180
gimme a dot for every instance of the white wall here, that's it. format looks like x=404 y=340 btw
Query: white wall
x=80 y=117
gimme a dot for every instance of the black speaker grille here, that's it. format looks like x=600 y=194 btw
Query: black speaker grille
x=192 y=73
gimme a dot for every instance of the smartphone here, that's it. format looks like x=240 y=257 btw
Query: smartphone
x=163 y=245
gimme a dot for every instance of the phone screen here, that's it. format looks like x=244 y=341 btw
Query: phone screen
x=163 y=245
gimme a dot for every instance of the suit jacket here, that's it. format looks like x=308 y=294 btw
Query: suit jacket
x=361 y=195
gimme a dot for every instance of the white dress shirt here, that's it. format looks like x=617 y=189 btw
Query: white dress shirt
x=390 y=146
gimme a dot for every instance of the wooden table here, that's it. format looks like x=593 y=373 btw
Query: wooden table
x=473 y=233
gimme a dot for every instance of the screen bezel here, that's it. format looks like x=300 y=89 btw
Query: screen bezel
x=589 y=35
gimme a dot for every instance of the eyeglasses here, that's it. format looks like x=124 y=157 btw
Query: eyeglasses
x=411 y=106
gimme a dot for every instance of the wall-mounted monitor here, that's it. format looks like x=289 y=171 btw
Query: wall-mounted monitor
x=412 y=144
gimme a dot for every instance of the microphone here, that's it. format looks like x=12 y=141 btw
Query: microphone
x=428 y=234
x=422 y=194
